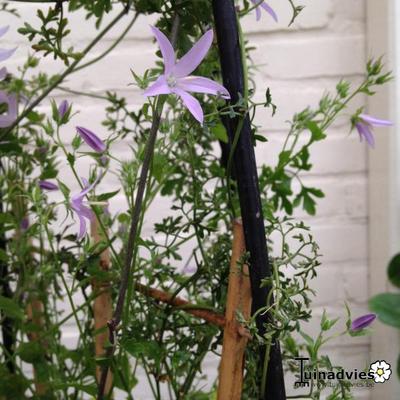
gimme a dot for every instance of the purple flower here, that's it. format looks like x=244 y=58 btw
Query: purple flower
x=81 y=209
x=365 y=123
x=11 y=115
x=47 y=185
x=362 y=322
x=176 y=78
x=262 y=4
x=91 y=139
x=63 y=108
x=4 y=54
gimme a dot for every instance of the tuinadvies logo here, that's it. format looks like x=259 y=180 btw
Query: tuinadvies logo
x=379 y=371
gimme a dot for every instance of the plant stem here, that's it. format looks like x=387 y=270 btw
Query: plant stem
x=111 y=48
x=67 y=72
x=126 y=271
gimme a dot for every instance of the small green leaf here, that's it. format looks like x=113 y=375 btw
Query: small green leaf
x=107 y=196
x=146 y=349
x=316 y=132
x=387 y=306
x=30 y=352
x=219 y=132
x=11 y=308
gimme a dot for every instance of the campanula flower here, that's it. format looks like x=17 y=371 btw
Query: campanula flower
x=262 y=4
x=364 y=126
x=81 y=209
x=362 y=322
x=47 y=185
x=91 y=139
x=176 y=78
x=63 y=108
x=10 y=116
x=4 y=53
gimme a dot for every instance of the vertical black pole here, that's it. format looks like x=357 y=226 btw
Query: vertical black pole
x=5 y=290
x=249 y=194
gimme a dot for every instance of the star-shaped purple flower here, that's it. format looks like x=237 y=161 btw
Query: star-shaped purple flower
x=176 y=78
x=365 y=123
x=266 y=7
x=83 y=212
x=362 y=322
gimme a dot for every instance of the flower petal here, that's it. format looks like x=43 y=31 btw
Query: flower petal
x=4 y=53
x=166 y=48
x=269 y=10
x=63 y=108
x=363 y=322
x=200 y=84
x=160 y=86
x=76 y=200
x=3 y=30
x=375 y=121
x=47 y=185
x=365 y=132
x=192 y=104
x=91 y=139
x=82 y=227
x=3 y=73
x=258 y=11
x=386 y=374
x=191 y=60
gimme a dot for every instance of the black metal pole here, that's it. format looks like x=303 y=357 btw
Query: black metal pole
x=244 y=164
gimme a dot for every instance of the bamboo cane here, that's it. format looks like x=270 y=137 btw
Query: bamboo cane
x=238 y=300
x=102 y=307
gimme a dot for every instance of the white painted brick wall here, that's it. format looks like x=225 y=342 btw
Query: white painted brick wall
x=326 y=43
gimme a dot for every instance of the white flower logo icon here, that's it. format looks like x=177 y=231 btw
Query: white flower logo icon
x=381 y=371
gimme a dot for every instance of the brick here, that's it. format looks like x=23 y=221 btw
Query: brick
x=315 y=15
x=323 y=55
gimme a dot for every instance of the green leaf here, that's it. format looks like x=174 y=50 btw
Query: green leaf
x=316 y=132
x=107 y=196
x=394 y=270
x=220 y=133
x=387 y=306
x=30 y=352
x=260 y=138
x=10 y=148
x=159 y=165
x=11 y=308
x=308 y=203
x=146 y=349
x=284 y=157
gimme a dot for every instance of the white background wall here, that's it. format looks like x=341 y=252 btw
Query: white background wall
x=327 y=43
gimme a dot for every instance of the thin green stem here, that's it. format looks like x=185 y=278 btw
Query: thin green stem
x=67 y=72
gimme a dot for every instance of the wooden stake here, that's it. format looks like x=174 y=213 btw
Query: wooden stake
x=102 y=307
x=34 y=312
x=234 y=342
